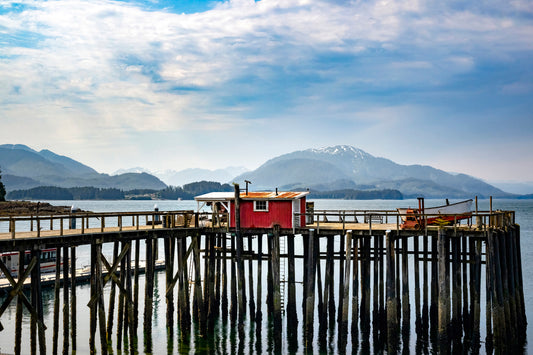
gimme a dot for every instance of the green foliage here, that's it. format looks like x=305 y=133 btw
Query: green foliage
x=349 y=194
x=73 y=193
x=203 y=187
x=41 y=193
x=173 y=193
x=2 y=189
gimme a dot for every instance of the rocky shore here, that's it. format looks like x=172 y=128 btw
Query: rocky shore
x=26 y=208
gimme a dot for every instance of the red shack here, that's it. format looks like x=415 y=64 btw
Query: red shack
x=259 y=209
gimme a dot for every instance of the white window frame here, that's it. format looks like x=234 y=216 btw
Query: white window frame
x=260 y=209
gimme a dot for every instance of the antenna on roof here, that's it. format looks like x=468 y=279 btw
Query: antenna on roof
x=247 y=182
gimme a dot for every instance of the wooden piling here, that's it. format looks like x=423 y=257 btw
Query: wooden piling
x=416 y=251
x=100 y=303
x=329 y=305
x=66 y=324
x=251 y=301
x=233 y=282
x=136 y=284
x=444 y=297
x=406 y=304
x=392 y=307
x=93 y=306
x=346 y=290
x=169 y=277
x=57 y=285
x=365 y=289
x=111 y=303
x=225 y=278
x=355 y=291
x=259 y=314
x=241 y=291
x=73 y=300
x=276 y=287
x=310 y=291
x=148 y=295
x=292 y=320
x=456 y=288
x=200 y=311
x=341 y=276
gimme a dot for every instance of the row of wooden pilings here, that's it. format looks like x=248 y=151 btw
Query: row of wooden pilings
x=363 y=289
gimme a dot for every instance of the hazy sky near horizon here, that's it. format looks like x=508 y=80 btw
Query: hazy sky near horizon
x=182 y=84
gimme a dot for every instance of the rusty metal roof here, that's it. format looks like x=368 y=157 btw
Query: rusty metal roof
x=271 y=195
x=253 y=195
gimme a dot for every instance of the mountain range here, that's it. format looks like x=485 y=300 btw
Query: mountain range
x=25 y=168
x=327 y=169
x=187 y=176
x=347 y=167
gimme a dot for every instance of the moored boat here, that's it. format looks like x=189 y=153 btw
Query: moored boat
x=47 y=262
x=445 y=214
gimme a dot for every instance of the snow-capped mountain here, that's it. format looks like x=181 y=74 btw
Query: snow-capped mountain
x=353 y=166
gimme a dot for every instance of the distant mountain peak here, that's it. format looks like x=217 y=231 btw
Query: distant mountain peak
x=342 y=150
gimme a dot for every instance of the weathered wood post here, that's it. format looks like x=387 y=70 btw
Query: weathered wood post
x=251 y=301
x=37 y=303
x=310 y=294
x=346 y=291
x=73 y=313
x=136 y=283
x=355 y=293
x=57 y=286
x=329 y=287
x=225 y=278
x=341 y=276
x=259 y=314
x=233 y=282
x=456 y=322
x=276 y=286
x=240 y=263
x=406 y=304
x=200 y=311
x=292 y=317
x=148 y=294
x=416 y=251
x=444 y=281
x=111 y=308
x=169 y=271
x=392 y=302
x=100 y=290
x=66 y=318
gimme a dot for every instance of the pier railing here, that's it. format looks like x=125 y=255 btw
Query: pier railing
x=91 y=222
x=480 y=220
x=86 y=222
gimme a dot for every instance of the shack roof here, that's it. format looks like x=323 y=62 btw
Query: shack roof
x=256 y=195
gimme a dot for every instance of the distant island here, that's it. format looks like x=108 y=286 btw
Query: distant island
x=185 y=192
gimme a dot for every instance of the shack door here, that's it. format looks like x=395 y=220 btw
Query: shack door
x=296 y=218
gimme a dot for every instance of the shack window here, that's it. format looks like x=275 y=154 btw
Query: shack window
x=261 y=205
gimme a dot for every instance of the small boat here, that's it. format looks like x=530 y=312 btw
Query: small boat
x=439 y=215
x=48 y=261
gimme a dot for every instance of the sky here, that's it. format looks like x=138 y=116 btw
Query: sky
x=211 y=84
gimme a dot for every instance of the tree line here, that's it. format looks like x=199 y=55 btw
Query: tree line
x=2 y=189
x=186 y=192
x=351 y=194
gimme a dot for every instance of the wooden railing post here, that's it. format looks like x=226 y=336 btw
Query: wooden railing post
x=12 y=227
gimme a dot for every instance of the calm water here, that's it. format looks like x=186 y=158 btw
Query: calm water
x=226 y=339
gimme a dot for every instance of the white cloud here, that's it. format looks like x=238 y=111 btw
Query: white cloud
x=83 y=69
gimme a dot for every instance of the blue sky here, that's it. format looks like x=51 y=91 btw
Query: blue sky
x=211 y=84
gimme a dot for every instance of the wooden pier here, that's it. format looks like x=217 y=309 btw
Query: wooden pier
x=383 y=274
